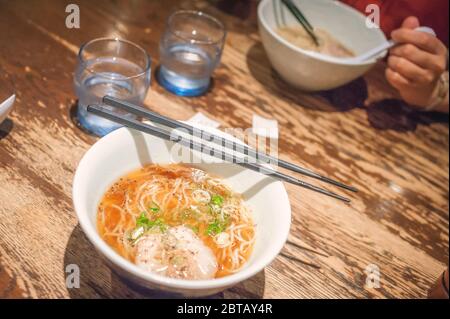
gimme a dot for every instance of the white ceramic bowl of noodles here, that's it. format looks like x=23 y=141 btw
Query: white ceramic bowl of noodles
x=311 y=71
x=125 y=150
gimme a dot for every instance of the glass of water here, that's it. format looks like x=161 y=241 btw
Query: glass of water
x=190 y=50
x=109 y=66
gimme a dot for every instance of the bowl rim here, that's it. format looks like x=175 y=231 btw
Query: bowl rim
x=315 y=55
x=94 y=238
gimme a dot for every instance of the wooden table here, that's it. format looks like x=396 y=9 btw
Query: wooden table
x=359 y=134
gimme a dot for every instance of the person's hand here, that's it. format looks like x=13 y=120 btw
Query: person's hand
x=416 y=64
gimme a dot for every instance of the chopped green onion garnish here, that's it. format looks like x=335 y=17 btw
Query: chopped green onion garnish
x=143 y=221
x=160 y=223
x=216 y=228
x=155 y=207
x=217 y=200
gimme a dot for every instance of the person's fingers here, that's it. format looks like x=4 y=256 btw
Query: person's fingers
x=396 y=80
x=411 y=23
x=410 y=71
x=420 y=39
x=422 y=58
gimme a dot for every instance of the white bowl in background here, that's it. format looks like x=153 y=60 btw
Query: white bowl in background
x=125 y=150
x=311 y=71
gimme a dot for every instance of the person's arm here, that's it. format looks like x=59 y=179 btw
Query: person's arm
x=417 y=68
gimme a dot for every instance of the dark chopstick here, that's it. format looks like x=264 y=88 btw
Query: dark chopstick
x=166 y=135
x=161 y=119
x=301 y=19
x=300 y=13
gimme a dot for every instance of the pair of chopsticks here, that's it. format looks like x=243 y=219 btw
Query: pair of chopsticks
x=302 y=20
x=206 y=149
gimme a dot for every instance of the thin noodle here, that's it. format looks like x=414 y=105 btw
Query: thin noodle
x=171 y=188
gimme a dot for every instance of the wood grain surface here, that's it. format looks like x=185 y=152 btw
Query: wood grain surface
x=360 y=134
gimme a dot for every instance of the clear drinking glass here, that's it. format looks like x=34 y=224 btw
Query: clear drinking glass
x=114 y=67
x=190 y=50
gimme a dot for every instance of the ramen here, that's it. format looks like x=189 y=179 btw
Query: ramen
x=327 y=44
x=177 y=221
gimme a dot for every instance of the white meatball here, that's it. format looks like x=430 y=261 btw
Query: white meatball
x=177 y=253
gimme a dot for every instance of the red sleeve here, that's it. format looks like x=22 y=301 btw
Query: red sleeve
x=431 y=13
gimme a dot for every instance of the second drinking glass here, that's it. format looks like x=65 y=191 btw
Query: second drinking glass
x=190 y=50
